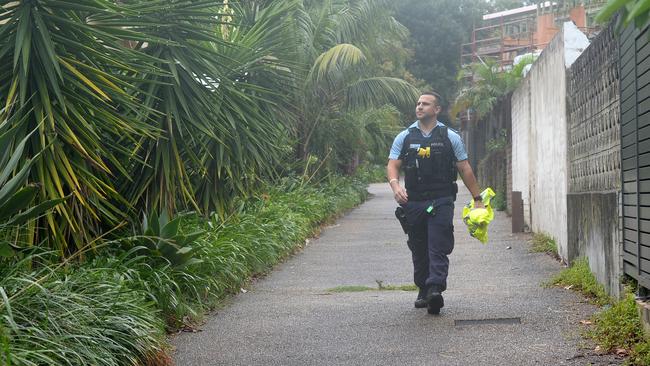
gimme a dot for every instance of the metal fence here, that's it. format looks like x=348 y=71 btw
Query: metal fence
x=634 y=56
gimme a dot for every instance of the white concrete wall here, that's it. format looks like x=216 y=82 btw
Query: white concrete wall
x=520 y=144
x=546 y=157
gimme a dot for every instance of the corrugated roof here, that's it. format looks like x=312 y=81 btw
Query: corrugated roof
x=523 y=9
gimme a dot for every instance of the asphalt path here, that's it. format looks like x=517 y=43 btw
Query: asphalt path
x=496 y=310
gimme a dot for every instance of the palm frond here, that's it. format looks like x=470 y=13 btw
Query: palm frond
x=377 y=91
x=335 y=60
x=65 y=79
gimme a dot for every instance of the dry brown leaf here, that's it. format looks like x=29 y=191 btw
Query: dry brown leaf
x=585 y=322
x=621 y=352
x=568 y=287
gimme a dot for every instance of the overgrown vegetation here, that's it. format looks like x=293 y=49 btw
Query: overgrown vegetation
x=112 y=310
x=490 y=82
x=76 y=316
x=499 y=202
x=543 y=243
x=498 y=143
x=373 y=173
x=143 y=106
x=156 y=154
x=617 y=326
x=578 y=277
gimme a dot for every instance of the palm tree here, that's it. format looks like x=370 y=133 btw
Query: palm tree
x=60 y=74
x=335 y=78
x=150 y=105
x=218 y=128
x=489 y=82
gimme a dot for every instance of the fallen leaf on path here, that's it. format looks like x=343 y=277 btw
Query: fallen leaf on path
x=621 y=352
x=188 y=329
x=598 y=349
x=568 y=287
x=585 y=322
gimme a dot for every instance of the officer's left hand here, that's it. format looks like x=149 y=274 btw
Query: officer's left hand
x=400 y=194
x=479 y=204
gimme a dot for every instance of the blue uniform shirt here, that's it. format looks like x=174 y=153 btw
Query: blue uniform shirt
x=456 y=142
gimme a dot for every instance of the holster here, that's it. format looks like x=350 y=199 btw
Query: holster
x=401 y=217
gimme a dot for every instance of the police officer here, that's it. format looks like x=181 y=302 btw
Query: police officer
x=431 y=155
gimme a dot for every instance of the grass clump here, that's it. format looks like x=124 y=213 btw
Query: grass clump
x=399 y=288
x=619 y=327
x=579 y=278
x=380 y=287
x=352 y=288
x=543 y=243
x=87 y=316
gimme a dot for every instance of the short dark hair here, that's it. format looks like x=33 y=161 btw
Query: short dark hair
x=439 y=98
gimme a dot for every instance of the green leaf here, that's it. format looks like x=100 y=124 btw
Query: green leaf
x=7 y=306
x=6 y=250
x=609 y=10
x=13 y=161
x=640 y=10
x=8 y=189
x=17 y=202
x=33 y=212
x=170 y=230
x=184 y=250
x=336 y=59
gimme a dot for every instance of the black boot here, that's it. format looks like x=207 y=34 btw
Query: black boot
x=435 y=302
x=421 y=301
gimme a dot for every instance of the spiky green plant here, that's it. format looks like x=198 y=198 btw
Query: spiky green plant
x=489 y=83
x=16 y=194
x=61 y=73
x=216 y=135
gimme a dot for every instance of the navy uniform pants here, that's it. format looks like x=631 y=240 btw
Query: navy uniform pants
x=431 y=240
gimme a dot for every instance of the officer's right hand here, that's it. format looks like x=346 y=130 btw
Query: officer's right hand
x=400 y=195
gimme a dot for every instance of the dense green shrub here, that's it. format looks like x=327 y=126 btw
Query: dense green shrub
x=78 y=316
x=372 y=173
x=112 y=310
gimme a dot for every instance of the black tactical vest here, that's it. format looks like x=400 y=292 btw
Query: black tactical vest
x=429 y=165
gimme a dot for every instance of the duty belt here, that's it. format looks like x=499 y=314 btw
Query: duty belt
x=433 y=194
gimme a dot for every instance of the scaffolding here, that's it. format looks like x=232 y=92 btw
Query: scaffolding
x=507 y=34
x=500 y=42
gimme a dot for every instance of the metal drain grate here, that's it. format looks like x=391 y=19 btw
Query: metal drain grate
x=464 y=322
